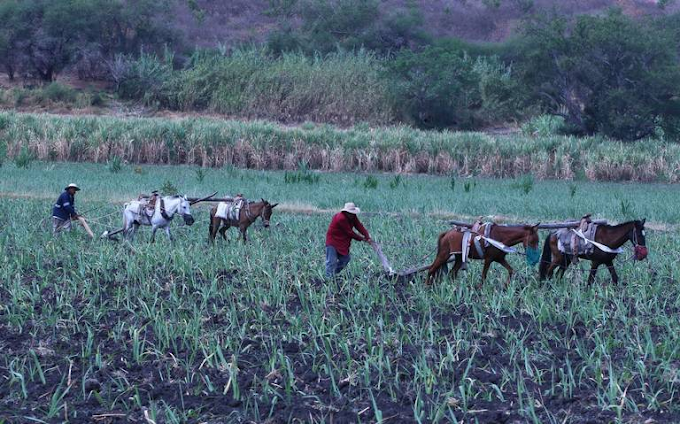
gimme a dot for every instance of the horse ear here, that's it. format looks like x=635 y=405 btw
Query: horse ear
x=263 y=201
x=644 y=220
x=535 y=227
x=274 y=205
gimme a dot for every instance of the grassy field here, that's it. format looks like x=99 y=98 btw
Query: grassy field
x=90 y=330
x=265 y=145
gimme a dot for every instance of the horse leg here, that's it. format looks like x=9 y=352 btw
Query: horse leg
x=440 y=260
x=511 y=271
x=485 y=271
x=457 y=266
x=593 y=270
x=551 y=268
x=555 y=260
x=223 y=231
x=153 y=234
x=212 y=229
x=132 y=231
x=167 y=231
x=243 y=230
x=556 y=257
x=612 y=271
x=125 y=226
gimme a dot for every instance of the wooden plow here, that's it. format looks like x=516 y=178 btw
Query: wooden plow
x=409 y=272
x=211 y=199
x=546 y=226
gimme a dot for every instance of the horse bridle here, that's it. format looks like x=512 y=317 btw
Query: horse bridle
x=249 y=215
x=634 y=238
x=165 y=215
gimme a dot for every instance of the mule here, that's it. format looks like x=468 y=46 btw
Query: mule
x=451 y=243
x=248 y=214
x=165 y=211
x=612 y=236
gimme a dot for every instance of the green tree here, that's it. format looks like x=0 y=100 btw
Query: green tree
x=444 y=86
x=13 y=33
x=326 y=25
x=43 y=37
x=609 y=75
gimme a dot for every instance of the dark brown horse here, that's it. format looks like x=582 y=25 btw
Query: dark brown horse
x=247 y=216
x=451 y=243
x=612 y=236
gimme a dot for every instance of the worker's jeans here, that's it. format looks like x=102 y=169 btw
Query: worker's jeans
x=59 y=225
x=335 y=262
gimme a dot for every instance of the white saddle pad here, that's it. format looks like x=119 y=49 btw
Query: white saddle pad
x=222 y=210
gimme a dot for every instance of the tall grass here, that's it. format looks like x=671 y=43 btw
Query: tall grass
x=338 y=88
x=264 y=145
x=52 y=95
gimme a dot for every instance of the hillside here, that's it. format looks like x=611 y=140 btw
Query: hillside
x=238 y=21
x=441 y=64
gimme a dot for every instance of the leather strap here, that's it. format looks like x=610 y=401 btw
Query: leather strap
x=163 y=214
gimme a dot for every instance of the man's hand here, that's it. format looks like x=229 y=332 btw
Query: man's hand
x=367 y=239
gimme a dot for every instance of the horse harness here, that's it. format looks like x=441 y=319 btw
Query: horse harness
x=479 y=246
x=164 y=214
x=480 y=241
x=252 y=218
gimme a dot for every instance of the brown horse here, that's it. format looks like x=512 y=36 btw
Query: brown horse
x=612 y=236
x=451 y=243
x=247 y=216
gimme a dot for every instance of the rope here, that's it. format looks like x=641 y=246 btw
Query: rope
x=99 y=219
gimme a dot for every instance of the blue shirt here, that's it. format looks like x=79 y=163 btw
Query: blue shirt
x=65 y=207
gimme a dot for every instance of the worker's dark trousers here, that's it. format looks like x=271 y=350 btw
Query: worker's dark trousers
x=335 y=262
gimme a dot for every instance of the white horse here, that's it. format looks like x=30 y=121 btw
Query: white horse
x=134 y=215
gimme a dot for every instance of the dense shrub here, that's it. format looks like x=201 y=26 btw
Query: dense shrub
x=327 y=25
x=42 y=38
x=444 y=86
x=146 y=78
x=340 y=87
x=609 y=75
x=56 y=92
x=543 y=126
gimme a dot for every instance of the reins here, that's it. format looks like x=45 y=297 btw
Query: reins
x=164 y=213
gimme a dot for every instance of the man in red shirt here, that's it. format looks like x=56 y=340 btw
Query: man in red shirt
x=339 y=238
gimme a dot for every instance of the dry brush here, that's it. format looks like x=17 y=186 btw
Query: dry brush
x=265 y=145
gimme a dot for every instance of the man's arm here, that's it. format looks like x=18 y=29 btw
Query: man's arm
x=360 y=227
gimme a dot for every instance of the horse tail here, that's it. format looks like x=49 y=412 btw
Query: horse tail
x=211 y=226
x=439 y=240
x=546 y=259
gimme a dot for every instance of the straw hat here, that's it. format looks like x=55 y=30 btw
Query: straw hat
x=351 y=208
x=72 y=186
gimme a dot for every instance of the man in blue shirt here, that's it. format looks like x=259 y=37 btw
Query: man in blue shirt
x=64 y=210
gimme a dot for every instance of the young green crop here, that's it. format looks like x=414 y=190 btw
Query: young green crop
x=185 y=332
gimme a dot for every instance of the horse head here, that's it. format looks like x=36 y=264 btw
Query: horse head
x=637 y=237
x=266 y=213
x=184 y=209
x=530 y=236
x=530 y=243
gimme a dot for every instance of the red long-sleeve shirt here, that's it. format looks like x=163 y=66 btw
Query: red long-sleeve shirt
x=340 y=232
